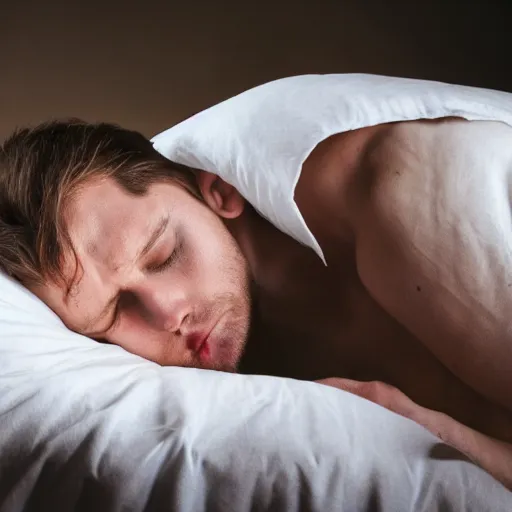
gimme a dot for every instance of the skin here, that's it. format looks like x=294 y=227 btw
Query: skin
x=191 y=283
x=397 y=304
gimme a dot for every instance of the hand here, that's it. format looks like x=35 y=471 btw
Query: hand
x=490 y=454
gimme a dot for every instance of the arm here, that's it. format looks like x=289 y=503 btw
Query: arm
x=493 y=456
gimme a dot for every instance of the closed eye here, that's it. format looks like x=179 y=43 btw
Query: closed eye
x=160 y=267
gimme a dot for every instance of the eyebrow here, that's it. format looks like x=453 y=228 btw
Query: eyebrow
x=157 y=233
x=111 y=303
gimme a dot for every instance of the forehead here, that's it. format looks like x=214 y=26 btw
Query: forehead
x=103 y=216
x=103 y=211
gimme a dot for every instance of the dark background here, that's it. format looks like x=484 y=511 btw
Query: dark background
x=148 y=66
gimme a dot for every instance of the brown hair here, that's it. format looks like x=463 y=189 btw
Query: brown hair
x=42 y=167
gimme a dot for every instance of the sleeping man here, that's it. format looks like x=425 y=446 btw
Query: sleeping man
x=413 y=309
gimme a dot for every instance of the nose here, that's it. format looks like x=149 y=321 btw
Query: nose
x=164 y=308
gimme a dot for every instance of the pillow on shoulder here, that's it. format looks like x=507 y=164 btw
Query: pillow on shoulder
x=257 y=141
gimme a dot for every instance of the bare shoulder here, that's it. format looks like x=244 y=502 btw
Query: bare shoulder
x=434 y=243
x=430 y=181
x=442 y=145
x=332 y=184
x=426 y=207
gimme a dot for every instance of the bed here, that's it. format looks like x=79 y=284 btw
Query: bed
x=88 y=426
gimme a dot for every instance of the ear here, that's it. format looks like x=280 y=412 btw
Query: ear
x=220 y=196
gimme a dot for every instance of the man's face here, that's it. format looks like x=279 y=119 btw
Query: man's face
x=162 y=276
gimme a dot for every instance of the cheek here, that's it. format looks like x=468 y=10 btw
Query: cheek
x=214 y=264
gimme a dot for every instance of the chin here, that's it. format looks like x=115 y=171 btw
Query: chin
x=227 y=355
x=228 y=346
x=225 y=352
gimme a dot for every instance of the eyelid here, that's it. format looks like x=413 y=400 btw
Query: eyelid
x=155 y=269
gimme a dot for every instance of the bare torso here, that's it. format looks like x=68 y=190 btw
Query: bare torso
x=322 y=321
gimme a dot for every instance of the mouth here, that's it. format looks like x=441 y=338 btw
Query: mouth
x=199 y=343
x=204 y=352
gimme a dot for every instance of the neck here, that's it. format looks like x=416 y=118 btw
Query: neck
x=288 y=279
x=276 y=261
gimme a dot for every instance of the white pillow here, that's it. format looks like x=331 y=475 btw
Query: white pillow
x=258 y=140
x=85 y=426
